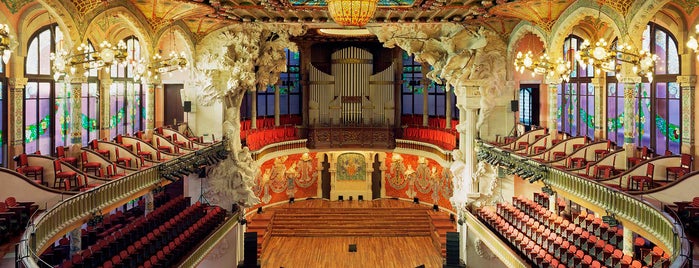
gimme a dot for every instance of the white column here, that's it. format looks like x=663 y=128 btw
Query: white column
x=149 y=203
x=448 y=104
x=76 y=85
x=276 y=105
x=600 y=83
x=687 y=85
x=553 y=107
x=630 y=84
x=319 y=174
x=253 y=110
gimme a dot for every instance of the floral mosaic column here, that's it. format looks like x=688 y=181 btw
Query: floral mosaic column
x=16 y=123
x=105 y=85
x=150 y=106
x=253 y=110
x=600 y=116
x=553 y=107
x=76 y=86
x=687 y=84
x=631 y=87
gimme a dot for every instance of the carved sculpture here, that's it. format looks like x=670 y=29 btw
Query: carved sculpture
x=458 y=55
x=242 y=57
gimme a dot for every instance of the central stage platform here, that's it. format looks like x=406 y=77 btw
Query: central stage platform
x=319 y=233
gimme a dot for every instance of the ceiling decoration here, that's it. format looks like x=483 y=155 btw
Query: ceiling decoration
x=160 y=13
x=620 y=6
x=15 y=5
x=323 y=3
x=543 y=13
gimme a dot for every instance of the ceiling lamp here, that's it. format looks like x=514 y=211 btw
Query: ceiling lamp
x=146 y=71
x=543 y=66
x=355 y=13
x=608 y=60
x=65 y=65
x=5 y=42
x=692 y=43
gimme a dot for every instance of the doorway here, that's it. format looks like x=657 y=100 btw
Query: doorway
x=172 y=106
x=376 y=178
x=325 y=178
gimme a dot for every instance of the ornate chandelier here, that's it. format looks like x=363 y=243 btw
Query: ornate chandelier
x=5 y=42
x=147 y=71
x=609 y=60
x=692 y=43
x=354 y=13
x=65 y=65
x=543 y=66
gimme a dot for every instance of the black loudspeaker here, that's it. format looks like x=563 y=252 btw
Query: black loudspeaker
x=514 y=106
x=435 y=207
x=452 y=249
x=352 y=247
x=416 y=200
x=340 y=198
x=360 y=198
x=187 y=106
x=250 y=249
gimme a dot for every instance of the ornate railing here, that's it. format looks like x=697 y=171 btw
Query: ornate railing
x=285 y=146
x=424 y=147
x=198 y=255
x=495 y=244
x=74 y=211
x=645 y=219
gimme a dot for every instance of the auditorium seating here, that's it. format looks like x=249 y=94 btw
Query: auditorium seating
x=257 y=139
x=545 y=238
x=159 y=239
x=443 y=138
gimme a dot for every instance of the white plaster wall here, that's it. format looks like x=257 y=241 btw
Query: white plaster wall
x=473 y=260
x=500 y=122
x=205 y=120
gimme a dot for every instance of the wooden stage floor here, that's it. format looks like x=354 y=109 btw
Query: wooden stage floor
x=333 y=251
x=386 y=252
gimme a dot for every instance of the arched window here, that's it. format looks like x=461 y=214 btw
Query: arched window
x=3 y=113
x=412 y=89
x=290 y=85
x=659 y=109
x=45 y=123
x=576 y=97
x=90 y=105
x=126 y=105
x=615 y=107
x=528 y=103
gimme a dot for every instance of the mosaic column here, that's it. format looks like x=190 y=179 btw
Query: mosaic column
x=149 y=204
x=253 y=110
x=628 y=242
x=277 y=109
x=150 y=106
x=16 y=121
x=687 y=84
x=631 y=87
x=552 y=88
x=448 y=104
x=75 y=240
x=76 y=87
x=600 y=113
x=105 y=124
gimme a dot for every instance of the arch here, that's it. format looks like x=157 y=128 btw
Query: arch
x=127 y=25
x=573 y=15
x=36 y=16
x=181 y=34
x=643 y=14
x=523 y=28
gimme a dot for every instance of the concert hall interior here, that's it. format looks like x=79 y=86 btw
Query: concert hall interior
x=349 y=133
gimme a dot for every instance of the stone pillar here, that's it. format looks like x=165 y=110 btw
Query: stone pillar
x=319 y=175
x=468 y=102
x=447 y=103
x=76 y=86
x=276 y=105
x=253 y=110
x=16 y=118
x=600 y=83
x=687 y=84
x=631 y=89
x=105 y=85
x=425 y=103
x=159 y=104
x=553 y=203
x=149 y=204
x=552 y=89
x=150 y=107
x=628 y=242
x=75 y=240
x=383 y=168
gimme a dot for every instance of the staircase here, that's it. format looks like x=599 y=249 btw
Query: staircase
x=322 y=222
x=442 y=224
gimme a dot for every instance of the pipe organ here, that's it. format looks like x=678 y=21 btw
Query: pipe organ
x=351 y=95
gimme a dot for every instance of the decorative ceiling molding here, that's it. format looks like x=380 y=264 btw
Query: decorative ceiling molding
x=543 y=13
x=15 y=5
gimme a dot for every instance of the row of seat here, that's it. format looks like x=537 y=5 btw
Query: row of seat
x=259 y=138
x=14 y=216
x=143 y=233
x=268 y=122
x=440 y=137
x=433 y=122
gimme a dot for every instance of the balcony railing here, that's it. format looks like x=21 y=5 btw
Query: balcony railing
x=642 y=217
x=198 y=255
x=495 y=244
x=74 y=211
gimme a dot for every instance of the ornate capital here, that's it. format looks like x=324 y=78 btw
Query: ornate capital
x=630 y=80
x=598 y=82
x=687 y=81
x=78 y=79
x=17 y=82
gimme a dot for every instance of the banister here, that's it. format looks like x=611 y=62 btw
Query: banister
x=501 y=250
x=197 y=256
x=642 y=217
x=72 y=212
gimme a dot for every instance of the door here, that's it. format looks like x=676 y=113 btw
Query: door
x=174 y=112
x=376 y=178
x=325 y=177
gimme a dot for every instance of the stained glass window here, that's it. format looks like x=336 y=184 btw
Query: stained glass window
x=44 y=100
x=412 y=89
x=3 y=113
x=290 y=85
x=576 y=97
x=125 y=101
x=89 y=118
x=659 y=110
